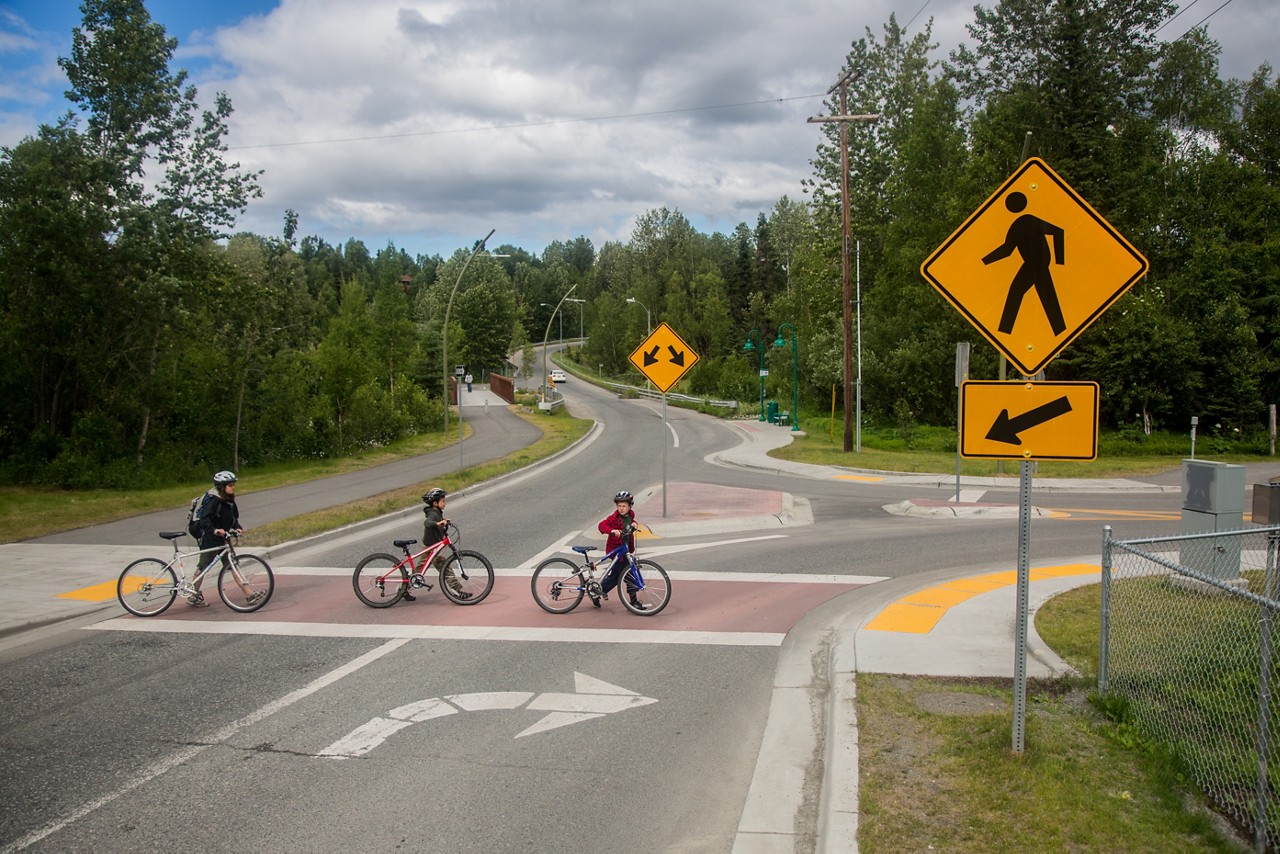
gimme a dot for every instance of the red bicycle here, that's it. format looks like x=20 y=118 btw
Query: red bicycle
x=466 y=577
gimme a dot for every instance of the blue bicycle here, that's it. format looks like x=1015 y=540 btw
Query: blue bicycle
x=559 y=584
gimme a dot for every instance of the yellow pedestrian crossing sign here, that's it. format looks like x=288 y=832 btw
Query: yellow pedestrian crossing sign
x=664 y=358
x=1033 y=266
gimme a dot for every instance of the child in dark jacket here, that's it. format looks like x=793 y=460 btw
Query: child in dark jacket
x=620 y=528
x=434 y=524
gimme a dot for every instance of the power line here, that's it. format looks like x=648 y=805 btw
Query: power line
x=1202 y=20
x=908 y=24
x=517 y=125
x=1174 y=17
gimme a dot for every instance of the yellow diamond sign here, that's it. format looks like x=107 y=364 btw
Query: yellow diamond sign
x=664 y=358
x=1034 y=266
x=1029 y=421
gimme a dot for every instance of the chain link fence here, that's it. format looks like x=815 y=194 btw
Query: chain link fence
x=1188 y=641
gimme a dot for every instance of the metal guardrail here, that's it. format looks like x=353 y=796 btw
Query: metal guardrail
x=654 y=394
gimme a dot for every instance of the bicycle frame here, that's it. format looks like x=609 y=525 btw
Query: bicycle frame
x=589 y=568
x=423 y=558
x=225 y=551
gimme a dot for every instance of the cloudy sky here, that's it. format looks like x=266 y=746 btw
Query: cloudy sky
x=427 y=123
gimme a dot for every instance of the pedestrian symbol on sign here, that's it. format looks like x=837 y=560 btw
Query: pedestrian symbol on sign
x=1027 y=236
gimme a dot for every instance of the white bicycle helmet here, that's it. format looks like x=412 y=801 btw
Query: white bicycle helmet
x=222 y=478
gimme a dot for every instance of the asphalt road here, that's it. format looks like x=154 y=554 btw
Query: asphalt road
x=493 y=728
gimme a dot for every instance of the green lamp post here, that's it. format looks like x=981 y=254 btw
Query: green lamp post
x=795 y=373
x=749 y=347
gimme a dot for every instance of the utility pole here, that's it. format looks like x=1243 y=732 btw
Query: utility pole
x=843 y=119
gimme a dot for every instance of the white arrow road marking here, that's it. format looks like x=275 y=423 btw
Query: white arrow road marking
x=592 y=698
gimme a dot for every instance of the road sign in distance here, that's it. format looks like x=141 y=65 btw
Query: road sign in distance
x=1029 y=420
x=664 y=358
x=1033 y=266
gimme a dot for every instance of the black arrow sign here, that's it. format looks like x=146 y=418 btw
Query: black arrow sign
x=1006 y=429
x=676 y=358
x=651 y=358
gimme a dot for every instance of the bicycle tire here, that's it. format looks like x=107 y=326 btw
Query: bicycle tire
x=257 y=577
x=557 y=585
x=147 y=587
x=653 y=595
x=472 y=574
x=380 y=581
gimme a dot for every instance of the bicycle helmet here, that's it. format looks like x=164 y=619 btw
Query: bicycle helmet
x=623 y=495
x=433 y=495
x=222 y=478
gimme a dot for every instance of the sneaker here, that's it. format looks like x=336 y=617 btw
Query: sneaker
x=638 y=605
x=408 y=597
x=255 y=597
x=196 y=600
x=595 y=600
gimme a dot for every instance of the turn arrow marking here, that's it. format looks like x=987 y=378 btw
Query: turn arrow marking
x=1006 y=429
x=592 y=698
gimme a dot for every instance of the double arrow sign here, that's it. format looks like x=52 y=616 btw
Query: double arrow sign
x=664 y=372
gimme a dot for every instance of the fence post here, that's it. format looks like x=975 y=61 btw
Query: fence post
x=1264 y=696
x=1104 y=616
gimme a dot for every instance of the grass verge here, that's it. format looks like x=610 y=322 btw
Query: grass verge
x=938 y=771
x=934 y=452
x=27 y=512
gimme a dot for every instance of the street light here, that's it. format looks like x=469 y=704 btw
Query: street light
x=648 y=323
x=581 y=311
x=553 y=314
x=545 y=334
x=445 y=348
x=750 y=347
x=795 y=373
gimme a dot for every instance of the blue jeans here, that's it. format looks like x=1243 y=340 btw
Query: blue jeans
x=620 y=565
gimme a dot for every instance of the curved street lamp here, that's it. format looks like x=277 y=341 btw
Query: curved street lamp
x=581 y=312
x=750 y=347
x=445 y=349
x=795 y=373
x=555 y=309
x=547 y=334
x=648 y=321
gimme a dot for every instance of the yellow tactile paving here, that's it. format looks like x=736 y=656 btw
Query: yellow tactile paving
x=861 y=478
x=942 y=597
x=1061 y=571
x=911 y=619
x=920 y=611
x=97 y=593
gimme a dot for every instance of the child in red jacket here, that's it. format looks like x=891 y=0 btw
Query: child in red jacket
x=620 y=528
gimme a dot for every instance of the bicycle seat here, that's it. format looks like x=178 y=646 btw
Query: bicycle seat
x=172 y=535
x=582 y=550
x=402 y=544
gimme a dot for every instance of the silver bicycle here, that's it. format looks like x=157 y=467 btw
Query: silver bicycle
x=147 y=587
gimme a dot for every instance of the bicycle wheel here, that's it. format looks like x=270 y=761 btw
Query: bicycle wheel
x=248 y=585
x=653 y=589
x=380 y=581
x=466 y=578
x=147 y=587
x=557 y=585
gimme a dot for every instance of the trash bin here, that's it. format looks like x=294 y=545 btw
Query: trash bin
x=771 y=412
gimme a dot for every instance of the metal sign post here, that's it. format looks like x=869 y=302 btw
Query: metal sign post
x=1024 y=597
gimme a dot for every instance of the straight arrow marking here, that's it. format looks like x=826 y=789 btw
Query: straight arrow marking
x=1006 y=429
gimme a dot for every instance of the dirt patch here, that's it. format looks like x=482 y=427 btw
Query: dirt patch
x=955 y=703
